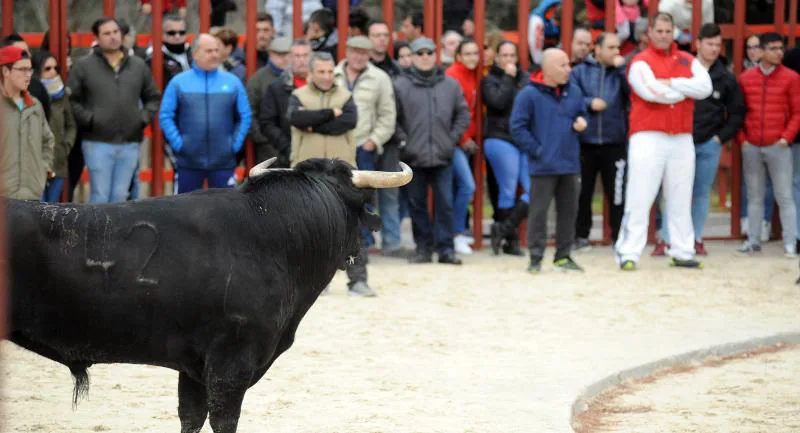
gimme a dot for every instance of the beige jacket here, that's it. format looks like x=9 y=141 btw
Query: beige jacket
x=27 y=149
x=316 y=131
x=373 y=94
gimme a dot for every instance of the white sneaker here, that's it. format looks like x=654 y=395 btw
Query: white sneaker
x=766 y=231
x=789 y=251
x=461 y=244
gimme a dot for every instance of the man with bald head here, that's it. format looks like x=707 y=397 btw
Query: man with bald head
x=205 y=116
x=547 y=117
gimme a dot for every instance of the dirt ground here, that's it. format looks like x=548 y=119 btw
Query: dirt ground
x=483 y=348
x=754 y=393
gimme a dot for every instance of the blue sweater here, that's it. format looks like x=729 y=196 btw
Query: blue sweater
x=541 y=125
x=205 y=117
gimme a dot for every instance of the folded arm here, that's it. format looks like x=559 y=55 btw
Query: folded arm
x=644 y=83
x=698 y=86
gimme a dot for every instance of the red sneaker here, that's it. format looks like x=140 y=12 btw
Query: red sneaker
x=660 y=250
x=700 y=249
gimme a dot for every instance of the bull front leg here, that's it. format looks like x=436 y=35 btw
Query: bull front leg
x=229 y=373
x=192 y=404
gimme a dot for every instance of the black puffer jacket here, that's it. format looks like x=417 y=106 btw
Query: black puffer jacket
x=498 y=91
x=722 y=113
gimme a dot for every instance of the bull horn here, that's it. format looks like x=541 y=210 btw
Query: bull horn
x=382 y=179
x=262 y=168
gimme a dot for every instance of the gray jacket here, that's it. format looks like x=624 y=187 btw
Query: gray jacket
x=106 y=103
x=432 y=116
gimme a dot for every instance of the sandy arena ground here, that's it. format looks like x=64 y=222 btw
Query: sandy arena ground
x=746 y=394
x=483 y=348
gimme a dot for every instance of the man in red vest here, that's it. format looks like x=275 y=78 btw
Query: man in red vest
x=665 y=83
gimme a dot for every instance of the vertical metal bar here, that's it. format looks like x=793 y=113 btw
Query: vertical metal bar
x=4 y=313
x=736 y=149
x=697 y=20
x=437 y=34
x=388 y=15
x=780 y=15
x=8 y=17
x=297 y=18
x=250 y=63
x=55 y=31
x=109 y=8
x=429 y=27
x=523 y=13
x=567 y=20
x=652 y=8
x=204 y=9
x=611 y=17
x=343 y=26
x=792 y=23
x=477 y=159
x=157 y=140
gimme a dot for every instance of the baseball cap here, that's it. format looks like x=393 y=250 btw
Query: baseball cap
x=12 y=54
x=420 y=44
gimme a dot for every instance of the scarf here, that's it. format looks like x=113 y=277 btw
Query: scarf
x=55 y=88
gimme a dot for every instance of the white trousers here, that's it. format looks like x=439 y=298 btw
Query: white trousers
x=656 y=159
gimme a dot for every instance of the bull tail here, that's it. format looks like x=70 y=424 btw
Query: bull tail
x=81 y=378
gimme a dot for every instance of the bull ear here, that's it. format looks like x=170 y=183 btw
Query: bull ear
x=262 y=168
x=382 y=179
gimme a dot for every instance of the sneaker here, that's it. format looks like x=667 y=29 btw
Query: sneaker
x=628 y=265
x=449 y=259
x=567 y=264
x=535 y=265
x=582 y=245
x=789 y=251
x=766 y=231
x=748 y=250
x=360 y=288
x=660 y=250
x=688 y=263
x=421 y=257
x=700 y=249
x=461 y=244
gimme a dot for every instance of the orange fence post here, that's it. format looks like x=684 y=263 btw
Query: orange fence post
x=297 y=19
x=8 y=17
x=157 y=139
x=697 y=19
x=567 y=25
x=792 y=23
x=250 y=64
x=343 y=27
x=109 y=7
x=736 y=148
x=388 y=15
x=204 y=9
x=523 y=11
x=429 y=26
x=437 y=33
x=477 y=159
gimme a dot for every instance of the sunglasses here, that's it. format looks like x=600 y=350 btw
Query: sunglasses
x=424 y=53
x=176 y=32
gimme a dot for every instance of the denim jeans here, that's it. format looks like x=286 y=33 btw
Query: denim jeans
x=510 y=168
x=777 y=162
x=365 y=160
x=190 y=180
x=52 y=190
x=769 y=198
x=463 y=189
x=438 y=235
x=796 y=181
x=111 y=167
x=707 y=156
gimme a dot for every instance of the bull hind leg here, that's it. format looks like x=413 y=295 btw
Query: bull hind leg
x=192 y=404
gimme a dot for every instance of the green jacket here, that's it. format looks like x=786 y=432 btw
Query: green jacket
x=27 y=151
x=64 y=128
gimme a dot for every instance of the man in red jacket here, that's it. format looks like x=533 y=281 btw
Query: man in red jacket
x=665 y=83
x=772 y=96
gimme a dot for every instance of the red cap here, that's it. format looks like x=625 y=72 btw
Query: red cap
x=11 y=54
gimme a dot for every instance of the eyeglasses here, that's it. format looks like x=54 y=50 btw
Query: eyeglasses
x=424 y=53
x=775 y=48
x=28 y=71
x=176 y=32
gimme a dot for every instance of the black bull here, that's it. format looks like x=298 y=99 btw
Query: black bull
x=212 y=284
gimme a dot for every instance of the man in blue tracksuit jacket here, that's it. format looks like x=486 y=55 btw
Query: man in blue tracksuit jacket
x=547 y=116
x=205 y=116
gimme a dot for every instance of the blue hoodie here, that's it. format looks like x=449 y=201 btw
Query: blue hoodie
x=205 y=116
x=611 y=85
x=541 y=125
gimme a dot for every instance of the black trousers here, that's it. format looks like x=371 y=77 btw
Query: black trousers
x=564 y=188
x=611 y=162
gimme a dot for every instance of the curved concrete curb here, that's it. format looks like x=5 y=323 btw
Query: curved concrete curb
x=581 y=404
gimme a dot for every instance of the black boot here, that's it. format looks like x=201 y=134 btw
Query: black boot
x=511 y=247
x=498 y=231
x=515 y=217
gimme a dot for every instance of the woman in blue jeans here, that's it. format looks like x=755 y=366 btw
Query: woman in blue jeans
x=463 y=71
x=510 y=165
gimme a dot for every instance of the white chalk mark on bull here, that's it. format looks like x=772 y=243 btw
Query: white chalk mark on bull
x=140 y=278
x=101 y=229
